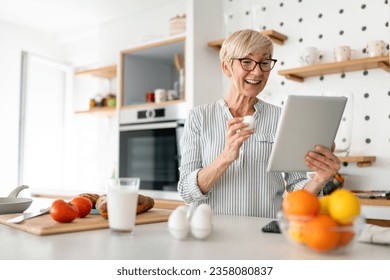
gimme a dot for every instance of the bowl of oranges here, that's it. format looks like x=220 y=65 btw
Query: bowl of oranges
x=331 y=223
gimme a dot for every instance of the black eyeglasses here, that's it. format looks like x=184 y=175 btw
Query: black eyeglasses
x=249 y=64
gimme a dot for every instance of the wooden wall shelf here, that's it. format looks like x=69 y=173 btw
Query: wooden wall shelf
x=276 y=37
x=107 y=72
x=378 y=222
x=361 y=161
x=375 y=201
x=300 y=73
x=100 y=111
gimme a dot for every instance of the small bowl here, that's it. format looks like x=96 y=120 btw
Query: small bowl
x=299 y=231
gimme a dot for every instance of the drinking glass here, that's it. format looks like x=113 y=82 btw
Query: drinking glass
x=122 y=199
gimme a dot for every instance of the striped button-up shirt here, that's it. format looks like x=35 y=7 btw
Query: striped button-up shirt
x=245 y=188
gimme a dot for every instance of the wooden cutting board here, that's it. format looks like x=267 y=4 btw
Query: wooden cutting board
x=45 y=225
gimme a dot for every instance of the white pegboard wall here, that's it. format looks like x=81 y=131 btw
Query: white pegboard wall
x=326 y=25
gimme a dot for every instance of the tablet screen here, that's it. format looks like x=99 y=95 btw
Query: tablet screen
x=305 y=121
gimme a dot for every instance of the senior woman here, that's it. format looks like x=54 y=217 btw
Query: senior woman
x=223 y=164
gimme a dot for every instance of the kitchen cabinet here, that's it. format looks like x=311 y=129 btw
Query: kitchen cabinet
x=156 y=65
x=276 y=37
x=106 y=73
x=300 y=73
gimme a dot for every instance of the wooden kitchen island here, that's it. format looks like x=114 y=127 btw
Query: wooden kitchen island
x=232 y=238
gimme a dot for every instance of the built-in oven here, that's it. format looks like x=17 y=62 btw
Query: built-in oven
x=149 y=148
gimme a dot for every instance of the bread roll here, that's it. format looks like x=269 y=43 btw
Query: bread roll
x=99 y=202
x=145 y=203
x=93 y=197
x=103 y=210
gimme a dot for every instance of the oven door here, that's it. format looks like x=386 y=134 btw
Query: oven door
x=151 y=152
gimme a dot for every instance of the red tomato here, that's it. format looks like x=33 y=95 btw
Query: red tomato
x=63 y=212
x=83 y=204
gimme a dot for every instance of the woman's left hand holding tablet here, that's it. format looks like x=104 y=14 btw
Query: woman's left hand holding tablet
x=323 y=162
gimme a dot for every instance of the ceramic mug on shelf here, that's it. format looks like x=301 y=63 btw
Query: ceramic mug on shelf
x=149 y=97
x=310 y=56
x=342 y=53
x=376 y=48
x=160 y=95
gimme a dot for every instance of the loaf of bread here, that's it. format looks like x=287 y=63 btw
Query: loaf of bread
x=145 y=203
x=100 y=201
x=103 y=210
x=92 y=197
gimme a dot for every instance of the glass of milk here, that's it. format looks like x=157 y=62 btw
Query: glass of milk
x=122 y=200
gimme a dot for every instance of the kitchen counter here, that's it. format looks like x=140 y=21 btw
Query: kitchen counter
x=233 y=237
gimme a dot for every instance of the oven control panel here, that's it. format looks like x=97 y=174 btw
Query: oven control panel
x=151 y=113
x=131 y=115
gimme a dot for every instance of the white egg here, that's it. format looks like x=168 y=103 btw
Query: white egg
x=201 y=222
x=201 y=233
x=191 y=210
x=182 y=208
x=205 y=207
x=250 y=120
x=178 y=224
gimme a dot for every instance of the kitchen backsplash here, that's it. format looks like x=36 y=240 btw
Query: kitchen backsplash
x=327 y=25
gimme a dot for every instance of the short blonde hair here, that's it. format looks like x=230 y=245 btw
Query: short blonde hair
x=244 y=42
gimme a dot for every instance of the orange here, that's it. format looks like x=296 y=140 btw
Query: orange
x=324 y=204
x=346 y=236
x=295 y=231
x=320 y=233
x=300 y=203
x=343 y=206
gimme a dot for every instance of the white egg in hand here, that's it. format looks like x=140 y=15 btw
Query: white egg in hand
x=201 y=222
x=250 y=120
x=178 y=224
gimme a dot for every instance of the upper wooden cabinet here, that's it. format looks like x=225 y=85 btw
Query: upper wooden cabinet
x=275 y=36
x=106 y=72
x=103 y=72
x=157 y=65
x=300 y=73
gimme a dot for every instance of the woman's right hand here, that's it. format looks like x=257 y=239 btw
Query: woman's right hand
x=235 y=136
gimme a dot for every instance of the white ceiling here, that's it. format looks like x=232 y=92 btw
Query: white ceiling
x=61 y=15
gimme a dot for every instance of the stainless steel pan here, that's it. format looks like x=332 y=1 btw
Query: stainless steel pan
x=14 y=204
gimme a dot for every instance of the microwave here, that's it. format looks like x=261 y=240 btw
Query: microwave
x=150 y=150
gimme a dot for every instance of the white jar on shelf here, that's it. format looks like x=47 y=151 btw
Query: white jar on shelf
x=160 y=95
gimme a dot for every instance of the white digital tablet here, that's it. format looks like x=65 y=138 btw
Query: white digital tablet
x=306 y=121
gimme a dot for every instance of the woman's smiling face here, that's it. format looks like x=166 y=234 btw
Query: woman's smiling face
x=248 y=83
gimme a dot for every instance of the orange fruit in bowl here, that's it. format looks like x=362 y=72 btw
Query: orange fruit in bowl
x=295 y=231
x=321 y=234
x=324 y=204
x=346 y=234
x=300 y=203
x=343 y=206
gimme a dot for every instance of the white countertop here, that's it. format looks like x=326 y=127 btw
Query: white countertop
x=233 y=237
